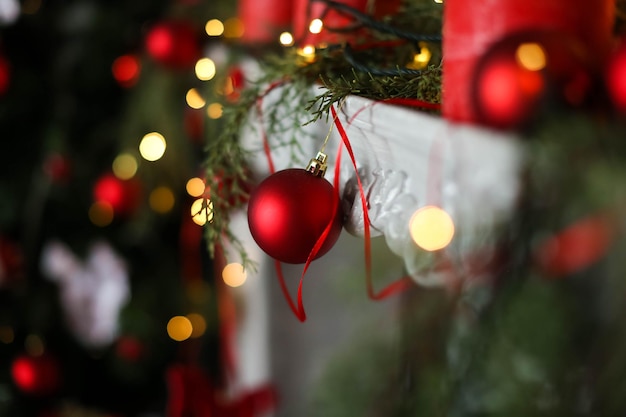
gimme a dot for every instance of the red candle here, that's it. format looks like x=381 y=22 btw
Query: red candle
x=264 y=20
x=470 y=29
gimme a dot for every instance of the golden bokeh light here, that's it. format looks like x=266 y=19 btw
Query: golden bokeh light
x=194 y=99
x=531 y=56
x=34 y=345
x=420 y=59
x=179 y=328
x=195 y=187
x=316 y=26
x=198 y=324
x=101 y=213
x=125 y=166
x=431 y=228
x=286 y=39
x=307 y=53
x=162 y=199
x=202 y=211
x=205 y=69
x=233 y=28
x=215 y=110
x=152 y=146
x=214 y=27
x=234 y=274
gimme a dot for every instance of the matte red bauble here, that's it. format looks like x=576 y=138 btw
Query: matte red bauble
x=36 y=375
x=289 y=211
x=616 y=78
x=526 y=74
x=174 y=44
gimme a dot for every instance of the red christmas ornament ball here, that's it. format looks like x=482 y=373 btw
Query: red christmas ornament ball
x=289 y=211
x=527 y=72
x=36 y=375
x=122 y=195
x=616 y=77
x=174 y=44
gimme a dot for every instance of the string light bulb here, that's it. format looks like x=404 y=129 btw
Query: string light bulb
x=431 y=228
x=286 y=39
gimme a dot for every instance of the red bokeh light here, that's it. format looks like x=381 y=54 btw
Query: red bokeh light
x=126 y=69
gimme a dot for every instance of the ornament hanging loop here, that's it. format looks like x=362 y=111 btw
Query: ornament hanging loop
x=317 y=166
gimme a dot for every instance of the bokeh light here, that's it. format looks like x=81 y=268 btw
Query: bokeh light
x=7 y=334
x=125 y=166
x=205 y=69
x=215 y=110
x=531 y=56
x=101 y=213
x=195 y=187
x=152 y=146
x=420 y=59
x=431 y=228
x=198 y=324
x=234 y=274
x=162 y=199
x=286 y=39
x=316 y=26
x=179 y=328
x=202 y=211
x=214 y=27
x=307 y=53
x=194 y=99
x=233 y=28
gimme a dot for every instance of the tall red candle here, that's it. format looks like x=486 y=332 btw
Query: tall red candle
x=264 y=20
x=469 y=29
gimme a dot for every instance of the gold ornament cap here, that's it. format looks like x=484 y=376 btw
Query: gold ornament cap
x=317 y=165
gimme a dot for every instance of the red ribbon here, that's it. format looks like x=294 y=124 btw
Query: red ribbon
x=395 y=287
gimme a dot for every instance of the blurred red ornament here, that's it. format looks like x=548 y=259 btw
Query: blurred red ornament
x=129 y=348
x=11 y=260
x=126 y=70
x=289 y=211
x=57 y=167
x=36 y=375
x=174 y=44
x=528 y=72
x=616 y=77
x=235 y=191
x=577 y=247
x=122 y=195
x=5 y=75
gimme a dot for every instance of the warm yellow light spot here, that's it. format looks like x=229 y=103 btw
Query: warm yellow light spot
x=162 y=199
x=34 y=345
x=420 y=59
x=439 y=1
x=233 y=28
x=531 y=56
x=316 y=26
x=215 y=110
x=205 y=69
x=7 y=335
x=286 y=39
x=194 y=99
x=431 y=228
x=307 y=53
x=234 y=275
x=152 y=146
x=179 y=328
x=125 y=166
x=202 y=211
x=195 y=187
x=214 y=27
x=101 y=213
x=198 y=324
